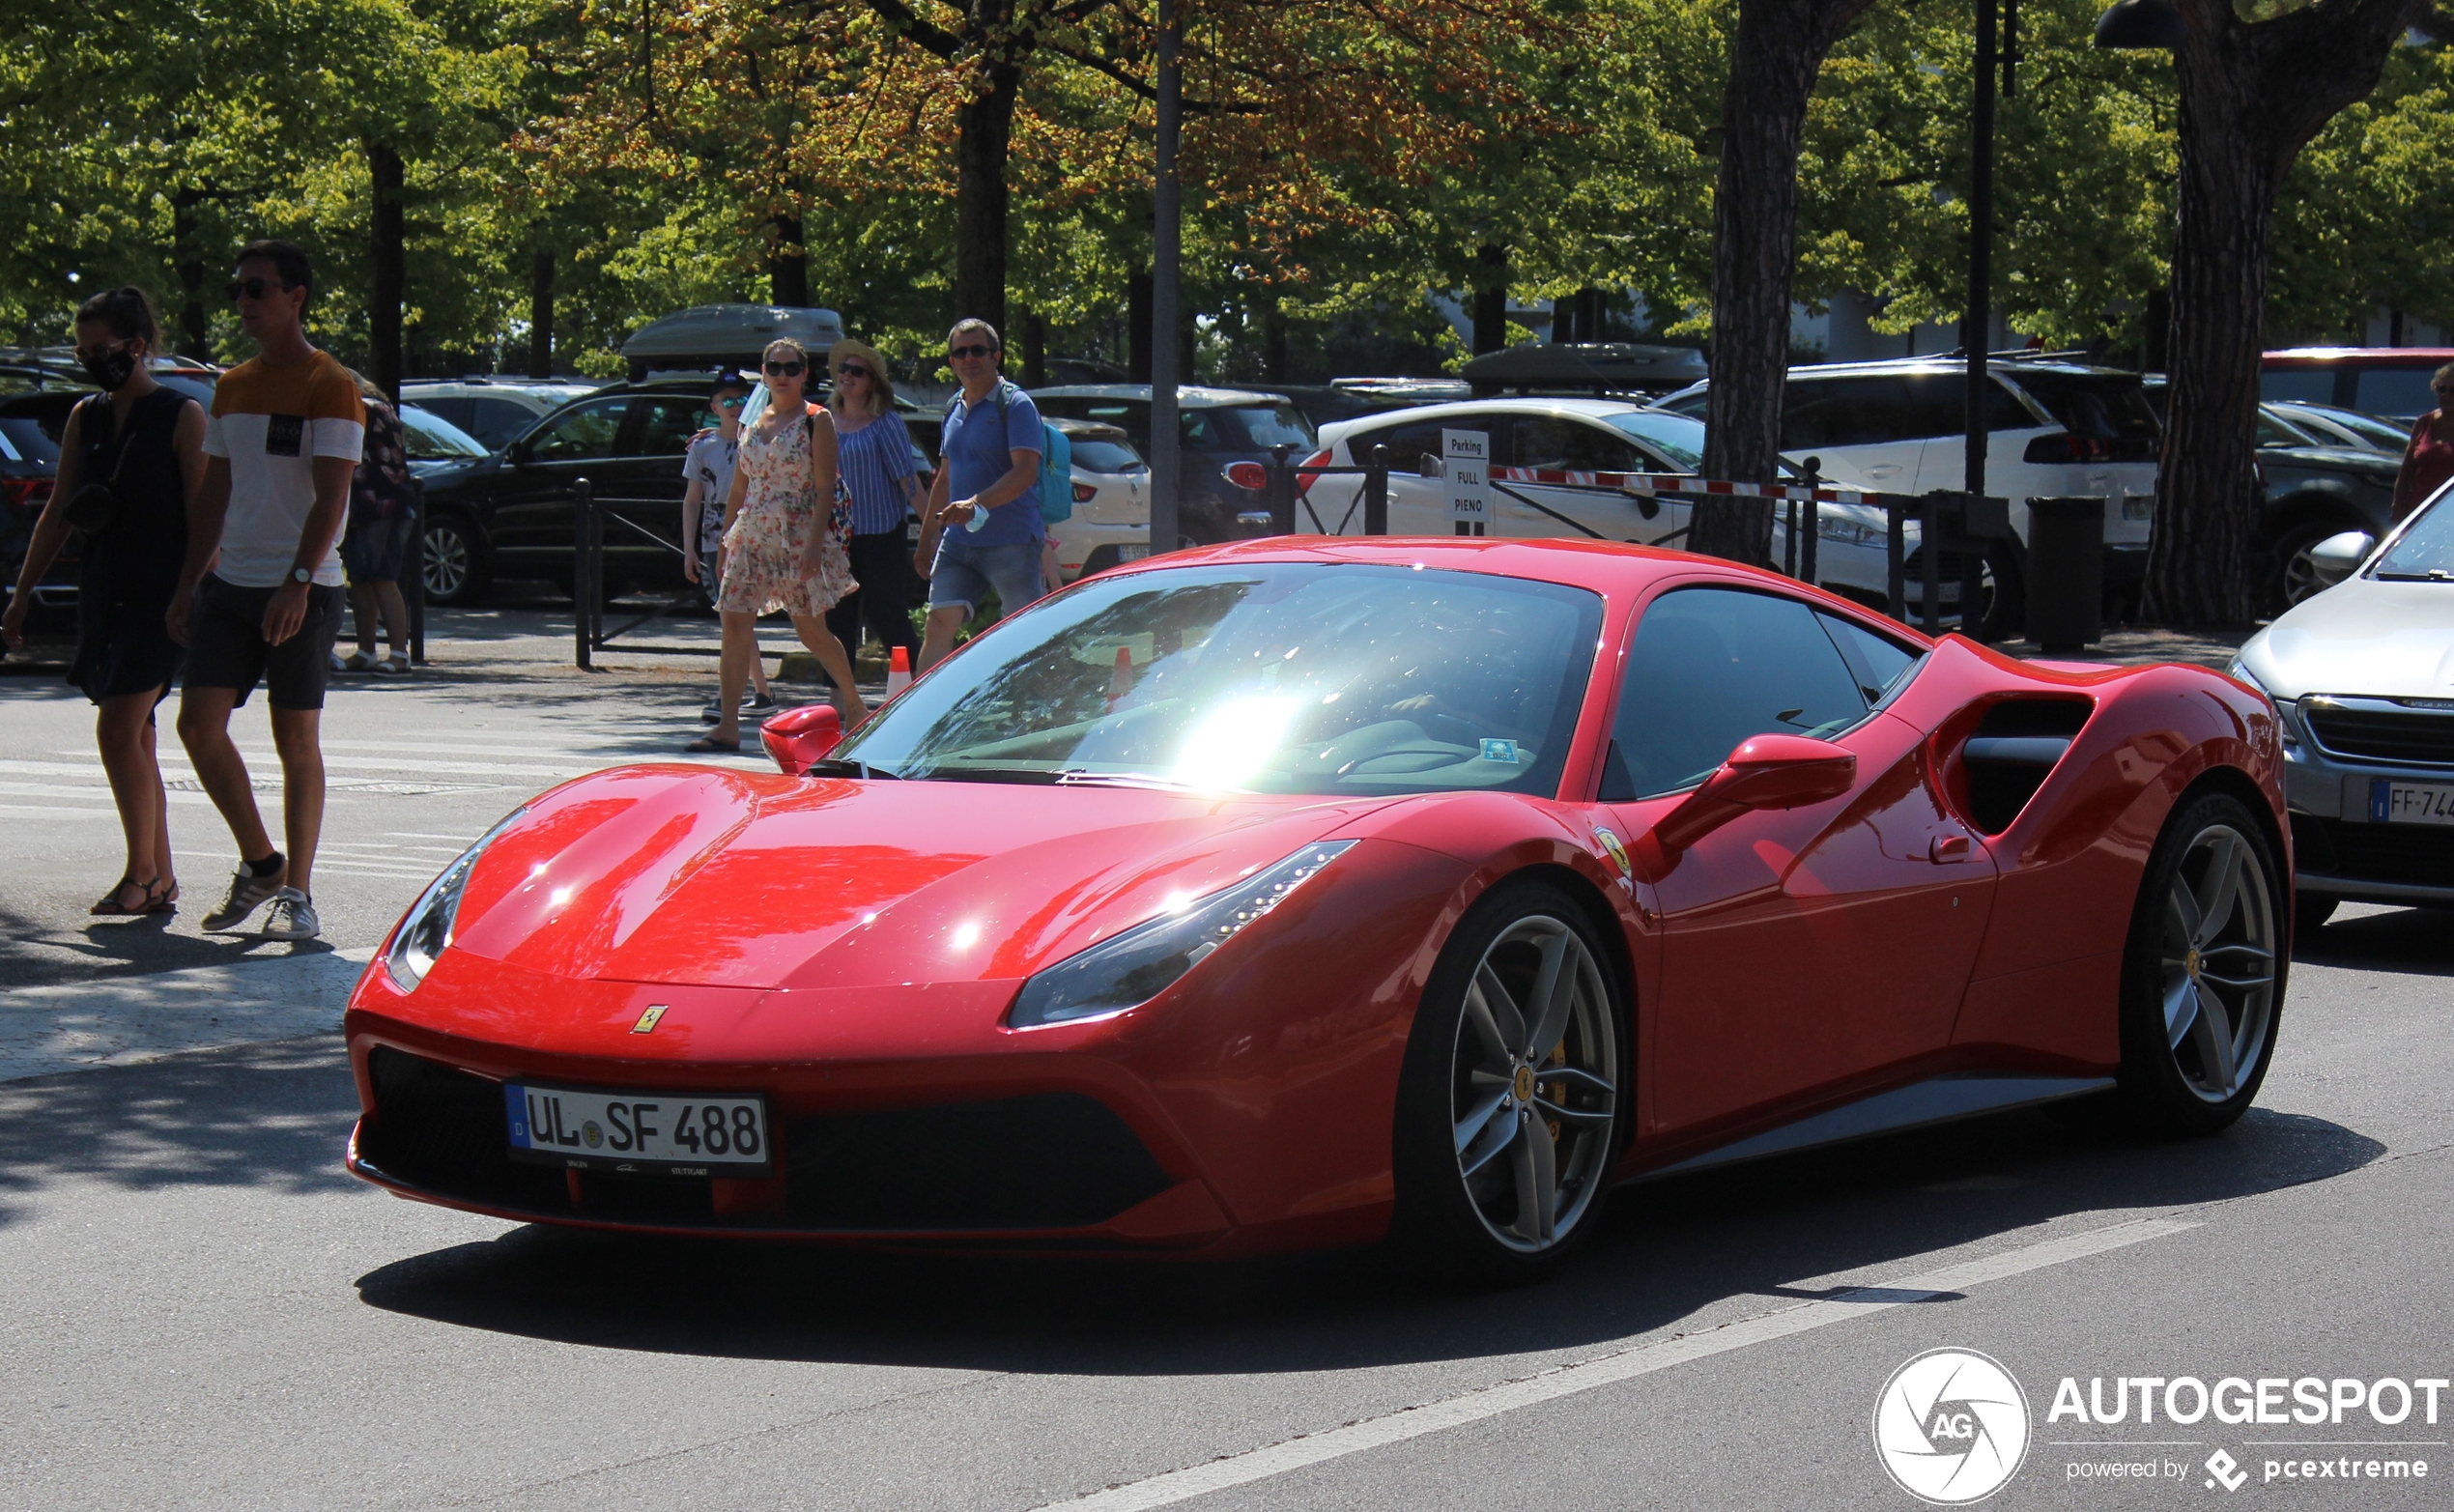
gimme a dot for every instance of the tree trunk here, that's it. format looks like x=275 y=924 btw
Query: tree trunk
x=1780 y=47
x=1273 y=343
x=1137 y=328
x=985 y=127
x=188 y=258
x=2251 y=95
x=541 y=313
x=1035 y=349
x=387 y=258
x=788 y=264
x=1491 y=299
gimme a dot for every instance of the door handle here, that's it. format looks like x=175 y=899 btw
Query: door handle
x=1944 y=849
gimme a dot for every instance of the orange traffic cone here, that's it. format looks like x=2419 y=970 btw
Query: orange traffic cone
x=1120 y=681
x=898 y=671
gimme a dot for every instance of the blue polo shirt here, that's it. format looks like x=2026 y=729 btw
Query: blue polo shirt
x=978 y=452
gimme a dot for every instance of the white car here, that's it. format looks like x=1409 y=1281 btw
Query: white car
x=2054 y=430
x=495 y=410
x=1111 y=518
x=1580 y=436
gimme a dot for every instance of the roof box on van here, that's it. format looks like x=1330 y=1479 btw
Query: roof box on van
x=726 y=335
x=1585 y=367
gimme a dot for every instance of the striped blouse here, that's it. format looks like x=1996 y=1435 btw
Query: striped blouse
x=875 y=460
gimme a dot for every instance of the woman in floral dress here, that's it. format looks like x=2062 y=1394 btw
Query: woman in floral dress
x=783 y=549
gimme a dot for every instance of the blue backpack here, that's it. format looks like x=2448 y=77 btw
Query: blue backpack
x=1056 y=458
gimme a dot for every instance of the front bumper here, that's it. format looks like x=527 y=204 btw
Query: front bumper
x=2341 y=849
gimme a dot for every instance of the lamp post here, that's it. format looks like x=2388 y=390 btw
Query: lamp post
x=1166 y=258
x=1978 y=330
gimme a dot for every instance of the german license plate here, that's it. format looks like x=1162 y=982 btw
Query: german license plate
x=1132 y=553
x=657 y=1133
x=2410 y=803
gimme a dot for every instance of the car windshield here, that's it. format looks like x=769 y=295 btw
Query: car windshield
x=2425 y=553
x=2273 y=430
x=1096 y=454
x=1680 y=438
x=1331 y=678
x=2382 y=434
x=433 y=439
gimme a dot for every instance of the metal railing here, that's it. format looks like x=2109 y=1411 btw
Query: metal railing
x=1972 y=527
x=589 y=516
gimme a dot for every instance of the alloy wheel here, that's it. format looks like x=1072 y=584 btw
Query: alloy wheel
x=2301 y=575
x=2217 y=972
x=447 y=561
x=1534 y=1084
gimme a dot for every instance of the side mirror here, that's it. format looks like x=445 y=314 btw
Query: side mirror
x=800 y=738
x=1764 y=772
x=2339 y=556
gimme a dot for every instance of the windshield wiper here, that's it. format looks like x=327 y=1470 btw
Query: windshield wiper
x=828 y=766
x=1079 y=777
x=2433 y=575
x=1038 y=775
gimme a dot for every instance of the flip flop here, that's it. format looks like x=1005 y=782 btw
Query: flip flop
x=710 y=745
x=107 y=906
x=168 y=902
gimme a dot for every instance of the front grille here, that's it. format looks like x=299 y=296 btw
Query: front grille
x=1047 y=1161
x=2416 y=855
x=1055 y=1161
x=2390 y=737
x=442 y=1129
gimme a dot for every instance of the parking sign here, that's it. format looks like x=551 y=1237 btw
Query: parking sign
x=1465 y=476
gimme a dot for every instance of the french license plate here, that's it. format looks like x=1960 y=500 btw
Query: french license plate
x=2410 y=803
x=657 y=1133
x=1132 y=553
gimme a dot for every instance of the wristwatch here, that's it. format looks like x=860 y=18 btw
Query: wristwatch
x=301 y=574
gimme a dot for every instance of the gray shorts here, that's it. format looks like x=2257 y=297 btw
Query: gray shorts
x=964 y=575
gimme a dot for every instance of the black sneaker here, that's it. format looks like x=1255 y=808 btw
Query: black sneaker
x=759 y=706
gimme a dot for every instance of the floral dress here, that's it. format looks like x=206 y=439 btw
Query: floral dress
x=762 y=547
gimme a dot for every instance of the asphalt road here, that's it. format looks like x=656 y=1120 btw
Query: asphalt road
x=198 y=1309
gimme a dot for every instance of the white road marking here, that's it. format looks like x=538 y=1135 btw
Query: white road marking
x=464 y=839
x=1414 y=1422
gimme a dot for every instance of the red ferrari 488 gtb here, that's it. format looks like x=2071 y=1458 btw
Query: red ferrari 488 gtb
x=1311 y=892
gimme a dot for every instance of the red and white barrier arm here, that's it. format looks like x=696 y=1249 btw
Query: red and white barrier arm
x=1689 y=483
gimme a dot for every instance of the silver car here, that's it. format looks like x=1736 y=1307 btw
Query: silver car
x=2363 y=676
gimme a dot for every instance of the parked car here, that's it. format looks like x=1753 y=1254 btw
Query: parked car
x=2358 y=671
x=705 y=337
x=1111 y=518
x=2338 y=426
x=2054 y=429
x=29 y=460
x=1589 y=436
x=2321 y=479
x=1217 y=427
x=1353 y=398
x=2391 y=381
x=495 y=410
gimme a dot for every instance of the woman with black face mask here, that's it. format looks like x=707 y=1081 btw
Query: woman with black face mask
x=130 y=460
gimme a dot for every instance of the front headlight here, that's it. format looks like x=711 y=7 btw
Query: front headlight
x=1145 y=960
x=426 y=933
x=1848 y=532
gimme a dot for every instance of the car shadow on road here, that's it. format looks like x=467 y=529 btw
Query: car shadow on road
x=2415 y=941
x=1667 y=1251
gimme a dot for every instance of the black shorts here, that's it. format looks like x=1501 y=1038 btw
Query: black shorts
x=226 y=650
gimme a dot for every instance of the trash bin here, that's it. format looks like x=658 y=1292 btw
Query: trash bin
x=2065 y=573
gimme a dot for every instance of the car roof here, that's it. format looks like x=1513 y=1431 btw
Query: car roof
x=1087 y=430
x=2360 y=356
x=1531 y=404
x=1188 y=396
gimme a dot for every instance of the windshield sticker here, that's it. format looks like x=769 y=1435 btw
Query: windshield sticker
x=1500 y=751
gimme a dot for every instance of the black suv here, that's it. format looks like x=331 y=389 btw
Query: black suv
x=1217 y=426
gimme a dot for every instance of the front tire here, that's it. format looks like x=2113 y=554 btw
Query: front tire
x=1514 y=1097
x=2203 y=971
x=453 y=560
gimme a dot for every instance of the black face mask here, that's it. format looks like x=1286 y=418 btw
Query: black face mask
x=111 y=370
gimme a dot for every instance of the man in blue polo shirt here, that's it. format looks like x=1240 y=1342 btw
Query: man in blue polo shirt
x=986 y=499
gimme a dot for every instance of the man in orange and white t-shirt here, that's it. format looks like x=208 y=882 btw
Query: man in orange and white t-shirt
x=283 y=438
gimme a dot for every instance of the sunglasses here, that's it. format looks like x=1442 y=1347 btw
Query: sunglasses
x=253 y=288
x=97 y=354
x=848 y=370
x=784 y=370
x=732 y=400
x=960 y=353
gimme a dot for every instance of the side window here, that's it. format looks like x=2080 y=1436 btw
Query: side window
x=580 y=435
x=497 y=423
x=1548 y=440
x=1409 y=445
x=2308 y=385
x=1200 y=429
x=1841 y=412
x=1711 y=667
x=662 y=425
x=1880 y=663
x=1935 y=403
x=2394 y=390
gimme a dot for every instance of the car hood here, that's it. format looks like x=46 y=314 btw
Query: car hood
x=2330 y=459
x=691 y=876
x=2387 y=640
